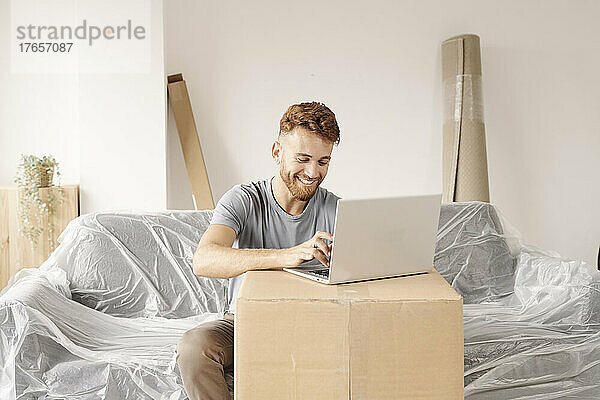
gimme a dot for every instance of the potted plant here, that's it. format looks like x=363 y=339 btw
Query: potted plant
x=33 y=174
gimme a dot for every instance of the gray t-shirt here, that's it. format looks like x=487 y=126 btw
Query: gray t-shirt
x=259 y=221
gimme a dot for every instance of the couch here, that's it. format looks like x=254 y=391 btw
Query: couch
x=102 y=316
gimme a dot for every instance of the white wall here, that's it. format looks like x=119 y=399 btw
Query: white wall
x=39 y=113
x=104 y=124
x=377 y=65
x=124 y=120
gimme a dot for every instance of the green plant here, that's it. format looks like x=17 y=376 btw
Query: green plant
x=34 y=173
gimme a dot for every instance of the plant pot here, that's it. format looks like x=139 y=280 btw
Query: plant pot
x=46 y=173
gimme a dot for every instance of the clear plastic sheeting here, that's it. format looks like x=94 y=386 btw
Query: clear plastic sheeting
x=530 y=318
x=474 y=253
x=463 y=98
x=100 y=319
x=134 y=265
x=53 y=347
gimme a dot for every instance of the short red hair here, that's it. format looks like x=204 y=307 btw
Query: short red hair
x=314 y=117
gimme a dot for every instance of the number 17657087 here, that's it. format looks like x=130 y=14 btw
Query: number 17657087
x=45 y=47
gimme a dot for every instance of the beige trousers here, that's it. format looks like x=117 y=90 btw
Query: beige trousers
x=203 y=353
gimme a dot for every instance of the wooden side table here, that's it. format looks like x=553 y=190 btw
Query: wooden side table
x=15 y=249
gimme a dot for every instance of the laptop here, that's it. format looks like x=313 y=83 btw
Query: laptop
x=379 y=238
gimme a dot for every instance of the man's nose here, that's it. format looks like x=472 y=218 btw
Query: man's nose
x=311 y=171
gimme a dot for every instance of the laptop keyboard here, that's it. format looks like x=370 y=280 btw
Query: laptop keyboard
x=323 y=273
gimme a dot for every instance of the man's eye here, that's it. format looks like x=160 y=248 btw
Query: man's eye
x=323 y=163
x=303 y=159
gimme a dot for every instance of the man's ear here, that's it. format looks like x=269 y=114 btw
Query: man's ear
x=276 y=151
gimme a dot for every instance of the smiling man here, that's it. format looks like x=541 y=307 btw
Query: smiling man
x=270 y=224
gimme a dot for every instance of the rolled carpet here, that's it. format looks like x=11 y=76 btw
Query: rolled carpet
x=464 y=158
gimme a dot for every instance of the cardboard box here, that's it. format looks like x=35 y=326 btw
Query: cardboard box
x=398 y=338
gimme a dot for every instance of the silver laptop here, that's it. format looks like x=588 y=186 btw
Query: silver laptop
x=379 y=238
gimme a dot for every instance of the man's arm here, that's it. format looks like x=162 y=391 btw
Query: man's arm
x=214 y=257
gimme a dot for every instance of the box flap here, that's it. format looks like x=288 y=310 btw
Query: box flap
x=280 y=285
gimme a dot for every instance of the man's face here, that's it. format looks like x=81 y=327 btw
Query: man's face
x=303 y=162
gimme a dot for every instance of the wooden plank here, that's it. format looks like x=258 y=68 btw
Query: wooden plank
x=4 y=239
x=190 y=144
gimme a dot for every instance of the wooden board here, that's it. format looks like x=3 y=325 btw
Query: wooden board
x=21 y=252
x=4 y=242
x=190 y=144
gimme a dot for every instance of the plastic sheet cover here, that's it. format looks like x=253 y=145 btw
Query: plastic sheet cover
x=531 y=318
x=100 y=319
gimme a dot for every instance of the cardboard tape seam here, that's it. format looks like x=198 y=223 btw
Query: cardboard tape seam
x=352 y=291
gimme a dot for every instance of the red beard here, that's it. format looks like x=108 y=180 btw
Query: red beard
x=298 y=191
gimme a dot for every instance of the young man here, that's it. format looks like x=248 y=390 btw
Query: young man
x=275 y=223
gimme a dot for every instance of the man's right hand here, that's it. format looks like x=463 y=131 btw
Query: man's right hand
x=314 y=247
